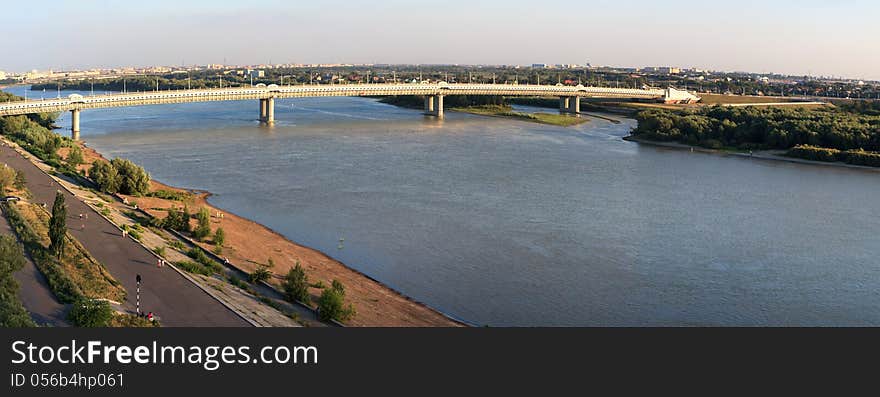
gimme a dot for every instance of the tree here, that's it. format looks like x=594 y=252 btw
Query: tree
x=90 y=313
x=219 y=237
x=296 y=284
x=185 y=217
x=75 y=156
x=57 y=225
x=203 y=229
x=12 y=313
x=105 y=176
x=331 y=304
x=133 y=179
x=7 y=177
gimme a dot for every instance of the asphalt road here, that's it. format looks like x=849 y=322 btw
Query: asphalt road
x=171 y=297
x=34 y=291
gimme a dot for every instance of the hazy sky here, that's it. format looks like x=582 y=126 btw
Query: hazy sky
x=819 y=37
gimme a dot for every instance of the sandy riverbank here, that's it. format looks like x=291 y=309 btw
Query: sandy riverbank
x=249 y=244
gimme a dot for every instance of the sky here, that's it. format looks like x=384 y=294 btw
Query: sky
x=819 y=38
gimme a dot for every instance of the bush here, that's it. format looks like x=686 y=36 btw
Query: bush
x=74 y=157
x=331 y=304
x=199 y=256
x=90 y=313
x=171 y=195
x=259 y=274
x=203 y=229
x=193 y=267
x=219 y=237
x=296 y=285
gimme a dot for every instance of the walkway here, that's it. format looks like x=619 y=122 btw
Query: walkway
x=34 y=291
x=175 y=300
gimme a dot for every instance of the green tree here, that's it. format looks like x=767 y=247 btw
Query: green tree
x=90 y=313
x=203 y=229
x=57 y=225
x=133 y=179
x=12 y=313
x=105 y=176
x=219 y=237
x=75 y=156
x=331 y=304
x=296 y=284
x=185 y=217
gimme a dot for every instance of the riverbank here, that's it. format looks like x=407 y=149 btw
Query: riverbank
x=770 y=155
x=248 y=245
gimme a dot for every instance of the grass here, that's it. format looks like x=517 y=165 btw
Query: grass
x=171 y=195
x=505 y=111
x=120 y=320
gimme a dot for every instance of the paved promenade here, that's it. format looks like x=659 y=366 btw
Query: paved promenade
x=175 y=300
x=34 y=291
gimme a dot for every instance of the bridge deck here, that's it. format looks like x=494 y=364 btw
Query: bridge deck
x=272 y=91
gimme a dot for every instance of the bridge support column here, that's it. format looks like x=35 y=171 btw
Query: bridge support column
x=434 y=105
x=270 y=110
x=563 y=104
x=574 y=105
x=570 y=104
x=74 y=124
x=264 y=110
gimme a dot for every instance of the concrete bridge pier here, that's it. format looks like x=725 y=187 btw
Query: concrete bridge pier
x=570 y=104
x=563 y=104
x=74 y=124
x=434 y=105
x=267 y=110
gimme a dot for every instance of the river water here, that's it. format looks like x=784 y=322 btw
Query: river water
x=503 y=222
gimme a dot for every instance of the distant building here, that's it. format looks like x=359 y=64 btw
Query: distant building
x=539 y=65
x=2 y=75
x=257 y=73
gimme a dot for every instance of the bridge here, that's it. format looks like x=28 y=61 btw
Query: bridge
x=569 y=96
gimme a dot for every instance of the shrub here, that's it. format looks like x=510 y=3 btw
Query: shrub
x=171 y=195
x=219 y=237
x=259 y=274
x=74 y=157
x=203 y=229
x=193 y=267
x=199 y=256
x=331 y=304
x=296 y=285
x=90 y=313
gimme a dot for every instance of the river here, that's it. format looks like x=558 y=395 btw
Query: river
x=504 y=222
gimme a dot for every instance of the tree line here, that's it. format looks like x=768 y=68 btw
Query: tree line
x=763 y=127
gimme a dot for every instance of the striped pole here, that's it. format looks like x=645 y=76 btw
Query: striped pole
x=138 y=295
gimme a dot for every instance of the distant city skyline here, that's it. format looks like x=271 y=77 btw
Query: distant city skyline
x=811 y=37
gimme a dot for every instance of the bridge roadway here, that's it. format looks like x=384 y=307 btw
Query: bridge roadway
x=433 y=93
